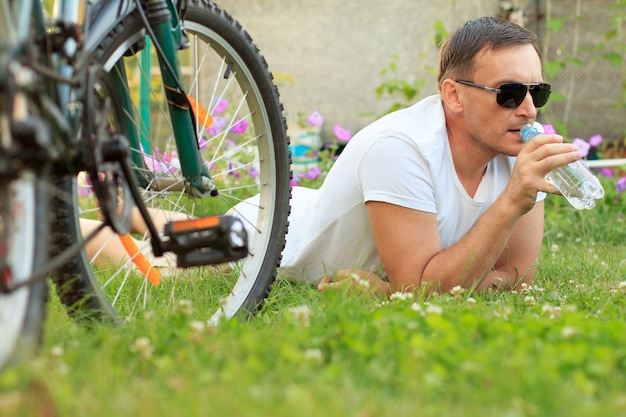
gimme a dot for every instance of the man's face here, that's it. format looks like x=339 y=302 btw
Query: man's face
x=490 y=125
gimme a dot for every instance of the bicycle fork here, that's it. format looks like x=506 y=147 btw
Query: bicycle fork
x=161 y=17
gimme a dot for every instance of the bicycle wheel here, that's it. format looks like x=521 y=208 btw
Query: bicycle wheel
x=245 y=145
x=23 y=244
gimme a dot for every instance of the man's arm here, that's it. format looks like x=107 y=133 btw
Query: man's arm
x=516 y=263
x=491 y=254
x=507 y=236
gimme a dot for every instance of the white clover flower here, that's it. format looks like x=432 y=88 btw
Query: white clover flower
x=314 y=354
x=401 y=296
x=363 y=283
x=184 y=307
x=143 y=347
x=529 y=300
x=434 y=309
x=301 y=315
x=197 y=326
x=359 y=281
x=554 y=248
x=568 y=332
x=197 y=330
x=457 y=292
x=355 y=277
x=471 y=301
x=552 y=311
x=578 y=240
x=622 y=287
x=525 y=288
x=56 y=351
x=417 y=307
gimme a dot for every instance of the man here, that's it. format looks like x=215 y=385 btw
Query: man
x=444 y=192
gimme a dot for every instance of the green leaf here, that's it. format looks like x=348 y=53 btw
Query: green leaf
x=553 y=67
x=614 y=58
x=611 y=34
x=575 y=60
x=440 y=32
x=555 y=97
x=555 y=24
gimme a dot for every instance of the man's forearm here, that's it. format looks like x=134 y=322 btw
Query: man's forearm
x=470 y=261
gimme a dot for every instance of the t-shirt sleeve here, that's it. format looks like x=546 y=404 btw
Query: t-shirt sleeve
x=393 y=171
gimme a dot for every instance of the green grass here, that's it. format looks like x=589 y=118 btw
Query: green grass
x=557 y=348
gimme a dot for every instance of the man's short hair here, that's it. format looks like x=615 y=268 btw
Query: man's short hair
x=456 y=57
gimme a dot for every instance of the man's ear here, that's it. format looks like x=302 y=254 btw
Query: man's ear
x=451 y=95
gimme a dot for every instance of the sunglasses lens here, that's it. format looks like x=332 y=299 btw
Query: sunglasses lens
x=512 y=95
x=540 y=94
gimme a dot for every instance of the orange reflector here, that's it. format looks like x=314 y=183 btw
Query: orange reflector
x=195 y=224
x=140 y=261
x=200 y=112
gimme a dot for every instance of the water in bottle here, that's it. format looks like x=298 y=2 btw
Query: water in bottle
x=575 y=181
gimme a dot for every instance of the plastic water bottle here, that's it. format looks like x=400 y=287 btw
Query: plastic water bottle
x=575 y=181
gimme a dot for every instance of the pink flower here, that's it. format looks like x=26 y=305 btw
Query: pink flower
x=218 y=123
x=293 y=182
x=621 y=184
x=342 y=133
x=220 y=106
x=239 y=127
x=607 y=172
x=315 y=119
x=549 y=129
x=254 y=172
x=84 y=184
x=313 y=173
x=595 y=140
x=582 y=146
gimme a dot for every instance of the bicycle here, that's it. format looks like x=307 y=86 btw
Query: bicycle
x=170 y=112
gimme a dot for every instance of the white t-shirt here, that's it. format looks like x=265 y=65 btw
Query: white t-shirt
x=404 y=159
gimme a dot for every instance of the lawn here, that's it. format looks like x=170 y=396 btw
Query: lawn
x=556 y=348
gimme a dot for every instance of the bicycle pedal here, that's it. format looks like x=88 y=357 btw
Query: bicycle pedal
x=207 y=241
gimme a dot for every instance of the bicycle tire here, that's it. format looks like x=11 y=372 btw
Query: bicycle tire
x=218 y=293
x=23 y=249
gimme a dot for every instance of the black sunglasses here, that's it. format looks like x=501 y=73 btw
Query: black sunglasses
x=512 y=95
